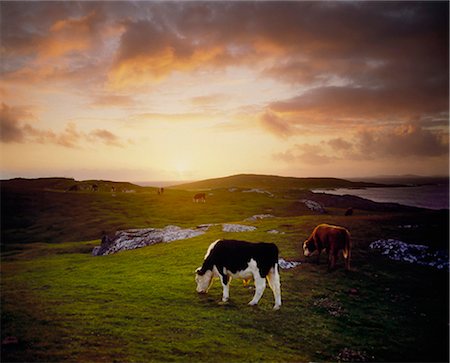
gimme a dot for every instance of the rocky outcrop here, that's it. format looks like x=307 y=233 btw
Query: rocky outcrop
x=285 y=265
x=314 y=206
x=260 y=191
x=136 y=238
x=405 y=252
x=228 y=227
x=257 y=217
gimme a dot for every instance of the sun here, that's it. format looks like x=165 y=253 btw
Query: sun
x=182 y=169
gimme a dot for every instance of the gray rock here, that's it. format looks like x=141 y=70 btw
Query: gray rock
x=411 y=253
x=136 y=238
x=228 y=227
x=259 y=216
x=260 y=191
x=314 y=206
x=285 y=265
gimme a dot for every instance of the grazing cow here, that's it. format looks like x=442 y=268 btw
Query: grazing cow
x=199 y=197
x=226 y=259
x=332 y=239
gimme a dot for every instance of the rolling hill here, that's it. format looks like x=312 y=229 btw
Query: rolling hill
x=68 y=184
x=273 y=182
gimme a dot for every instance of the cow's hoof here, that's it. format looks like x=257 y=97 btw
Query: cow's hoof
x=251 y=303
x=277 y=307
x=223 y=302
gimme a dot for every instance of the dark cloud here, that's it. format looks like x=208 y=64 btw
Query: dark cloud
x=370 y=44
x=336 y=103
x=400 y=143
x=410 y=140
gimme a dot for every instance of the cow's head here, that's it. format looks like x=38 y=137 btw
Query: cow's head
x=308 y=247
x=204 y=280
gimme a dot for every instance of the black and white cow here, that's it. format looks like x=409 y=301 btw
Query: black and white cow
x=226 y=259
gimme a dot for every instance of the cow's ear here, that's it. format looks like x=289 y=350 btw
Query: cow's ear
x=199 y=271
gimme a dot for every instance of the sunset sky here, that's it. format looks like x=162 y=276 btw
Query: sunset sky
x=141 y=91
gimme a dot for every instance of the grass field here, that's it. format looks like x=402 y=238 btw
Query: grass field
x=59 y=303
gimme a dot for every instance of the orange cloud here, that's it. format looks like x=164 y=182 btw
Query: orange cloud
x=14 y=129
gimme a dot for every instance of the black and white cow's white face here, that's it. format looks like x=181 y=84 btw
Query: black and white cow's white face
x=204 y=281
x=308 y=248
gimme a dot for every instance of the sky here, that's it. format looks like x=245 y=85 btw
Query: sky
x=141 y=90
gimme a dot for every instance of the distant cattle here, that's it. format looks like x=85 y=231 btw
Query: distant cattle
x=226 y=259
x=199 y=197
x=349 y=212
x=74 y=188
x=331 y=239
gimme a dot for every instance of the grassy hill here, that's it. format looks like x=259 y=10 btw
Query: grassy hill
x=273 y=182
x=61 y=304
x=43 y=210
x=69 y=184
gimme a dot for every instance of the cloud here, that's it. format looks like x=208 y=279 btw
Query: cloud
x=408 y=140
x=305 y=154
x=412 y=142
x=112 y=100
x=13 y=129
x=276 y=125
x=105 y=137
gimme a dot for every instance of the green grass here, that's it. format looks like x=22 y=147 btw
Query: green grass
x=62 y=304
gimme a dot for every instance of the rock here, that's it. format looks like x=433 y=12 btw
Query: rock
x=10 y=340
x=274 y=231
x=353 y=291
x=314 y=206
x=350 y=355
x=136 y=238
x=206 y=226
x=228 y=227
x=334 y=308
x=258 y=191
x=411 y=253
x=259 y=216
x=286 y=265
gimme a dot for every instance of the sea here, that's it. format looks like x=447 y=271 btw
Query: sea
x=431 y=196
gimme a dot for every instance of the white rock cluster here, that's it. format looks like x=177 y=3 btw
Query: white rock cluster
x=229 y=227
x=314 y=206
x=257 y=217
x=136 y=238
x=285 y=265
x=418 y=254
x=260 y=191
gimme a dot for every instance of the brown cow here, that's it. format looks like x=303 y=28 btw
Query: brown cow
x=332 y=239
x=199 y=197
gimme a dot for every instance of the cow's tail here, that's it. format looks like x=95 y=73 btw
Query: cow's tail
x=347 y=246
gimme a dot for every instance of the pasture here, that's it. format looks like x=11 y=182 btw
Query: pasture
x=59 y=303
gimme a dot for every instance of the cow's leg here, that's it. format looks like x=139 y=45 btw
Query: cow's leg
x=332 y=255
x=274 y=282
x=347 y=260
x=260 y=285
x=225 y=280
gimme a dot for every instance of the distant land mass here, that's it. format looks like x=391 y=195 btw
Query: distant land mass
x=408 y=179
x=275 y=182
x=233 y=181
x=272 y=182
